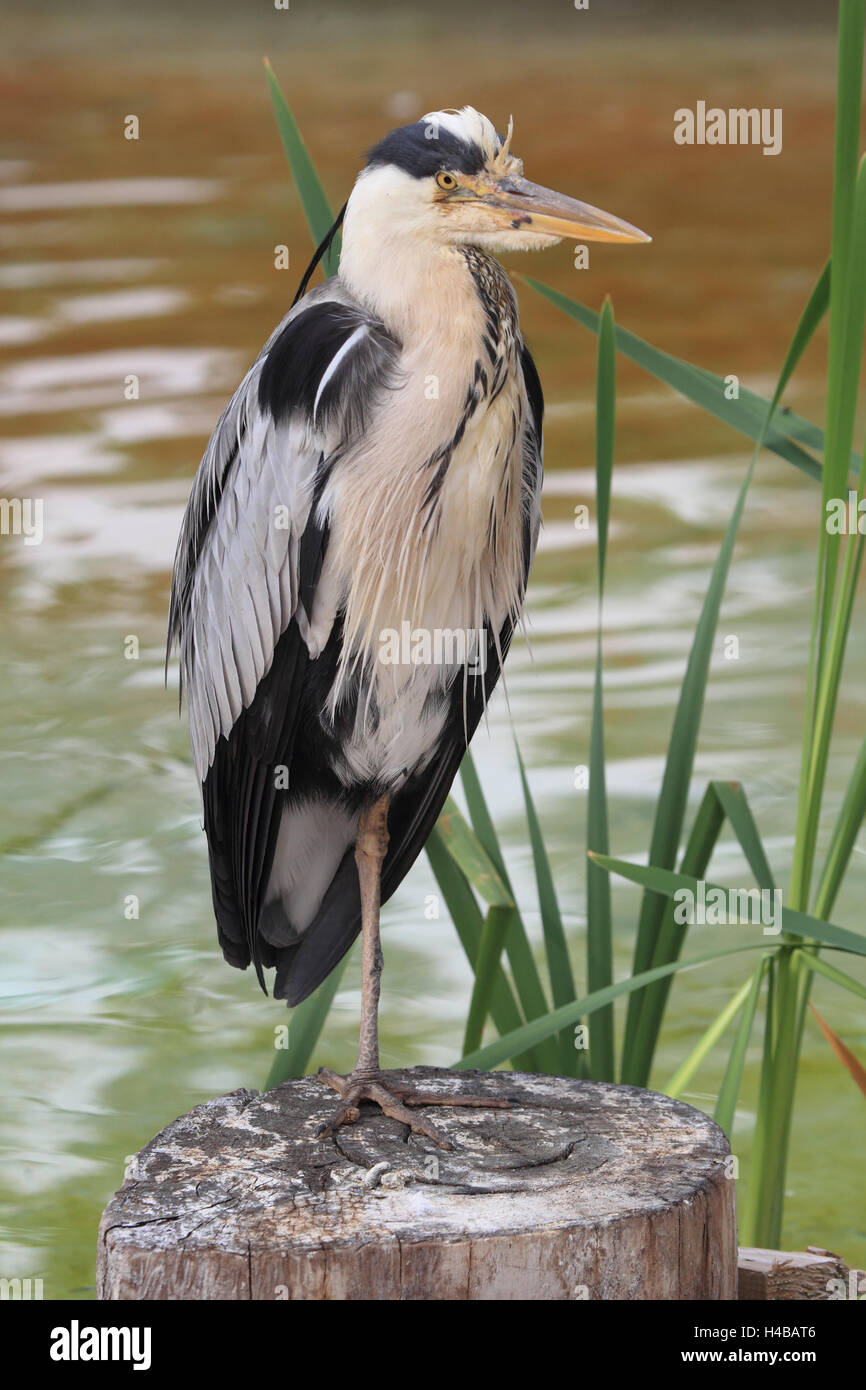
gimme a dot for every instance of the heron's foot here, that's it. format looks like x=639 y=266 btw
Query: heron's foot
x=394 y=1099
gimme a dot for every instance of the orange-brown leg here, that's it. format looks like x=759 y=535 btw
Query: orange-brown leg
x=367 y=1082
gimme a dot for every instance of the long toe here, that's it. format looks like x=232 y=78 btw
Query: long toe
x=391 y=1100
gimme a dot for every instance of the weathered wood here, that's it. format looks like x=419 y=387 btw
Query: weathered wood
x=814 y=1275
x=578 y=1190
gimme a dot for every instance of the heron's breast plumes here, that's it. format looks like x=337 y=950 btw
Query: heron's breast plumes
x=427 y=516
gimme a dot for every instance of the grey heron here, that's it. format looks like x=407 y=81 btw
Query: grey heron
x=377 y=471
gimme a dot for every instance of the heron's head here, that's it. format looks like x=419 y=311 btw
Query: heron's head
x=451 y=178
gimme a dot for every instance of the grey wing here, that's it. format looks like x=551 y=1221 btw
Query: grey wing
x=235 y=585
x=235 y=579
x=247 y=564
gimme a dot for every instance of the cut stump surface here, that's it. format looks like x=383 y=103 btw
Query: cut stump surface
x=579 y=1190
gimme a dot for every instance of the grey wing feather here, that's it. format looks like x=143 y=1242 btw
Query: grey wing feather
x=235 y=578
x=243 y=590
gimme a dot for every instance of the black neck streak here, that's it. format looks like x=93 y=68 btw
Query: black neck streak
x=496 y=359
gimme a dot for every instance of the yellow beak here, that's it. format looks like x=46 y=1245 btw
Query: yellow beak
x=524 y=206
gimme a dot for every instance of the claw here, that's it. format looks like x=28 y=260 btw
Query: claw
x=393 y=1100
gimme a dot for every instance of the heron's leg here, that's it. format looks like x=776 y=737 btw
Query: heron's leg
x=371 y=847
x=366 y=1081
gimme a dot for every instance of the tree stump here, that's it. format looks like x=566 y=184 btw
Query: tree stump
x=579 y=1190
x=814 y=1274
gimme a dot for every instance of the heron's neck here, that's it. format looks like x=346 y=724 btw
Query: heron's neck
x=420 y=289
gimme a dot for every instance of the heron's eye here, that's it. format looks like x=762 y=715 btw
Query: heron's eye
x=446 y=180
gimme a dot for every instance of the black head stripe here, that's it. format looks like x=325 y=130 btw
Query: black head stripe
x=424 y=148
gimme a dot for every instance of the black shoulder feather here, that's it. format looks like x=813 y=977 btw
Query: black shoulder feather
x=305 y=372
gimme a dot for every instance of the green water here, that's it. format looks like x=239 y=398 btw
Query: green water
x=112 y=1025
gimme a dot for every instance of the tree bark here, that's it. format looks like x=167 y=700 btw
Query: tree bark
x=813 y=1275
x=579 y=1190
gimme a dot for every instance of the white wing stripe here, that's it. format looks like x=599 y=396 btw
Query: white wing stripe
x=338 y=357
